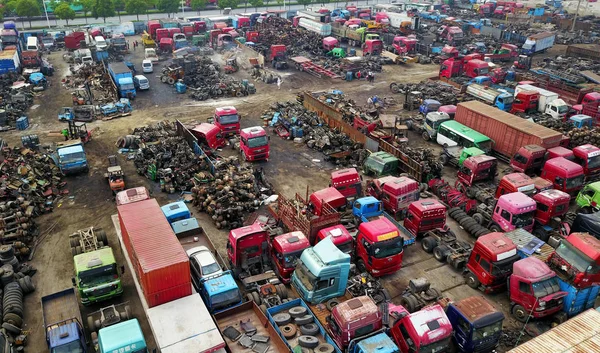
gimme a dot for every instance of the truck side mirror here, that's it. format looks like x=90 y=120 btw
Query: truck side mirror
x=122 y=269
x=73 y=281
x=210 y=120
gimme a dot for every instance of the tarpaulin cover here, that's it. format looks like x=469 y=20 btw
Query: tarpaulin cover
x=587 y=223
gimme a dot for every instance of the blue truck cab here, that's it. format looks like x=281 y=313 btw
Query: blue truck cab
x=125 y=336
x=581 y=120
x=321 y=272
x=380 y=343
x=220 y=292
x=71 y=158
x=477 y=324
x=123 y=79
x=368 y=208
x=429 y=105
x=176 y=211
x=62 y=322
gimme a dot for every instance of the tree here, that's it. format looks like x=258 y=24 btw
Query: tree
x=136 y=7
x=168 y=6
x=304 y=2
x=119 y=6
x=256 y=4
x=223 y=4
x=104 y=9
x=198 y=5
x=86 y=6
x=149 y=4
x=28 y=8
x=64 y=12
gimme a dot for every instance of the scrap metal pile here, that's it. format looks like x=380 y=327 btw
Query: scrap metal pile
x=442 y=92
x=297 y=40
x=97 y=77
x=577 y=136
x=291 y=120
x=15 y=99
x=235 y=191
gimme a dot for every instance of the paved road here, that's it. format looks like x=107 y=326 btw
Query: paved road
x=125 y=18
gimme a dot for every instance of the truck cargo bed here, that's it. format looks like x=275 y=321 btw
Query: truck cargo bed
x=60 y=306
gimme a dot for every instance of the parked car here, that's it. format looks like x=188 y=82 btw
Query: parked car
x=141 y=82
x=203 y=265
x=147 y=66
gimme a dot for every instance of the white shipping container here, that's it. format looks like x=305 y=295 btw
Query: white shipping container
x=323 y=29
x=127 y=28
x=545 y=95
x=397 y=18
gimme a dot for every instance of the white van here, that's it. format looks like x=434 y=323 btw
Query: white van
x=147 y=66
x=141 y=82
x=101 y=44
x=32 y=43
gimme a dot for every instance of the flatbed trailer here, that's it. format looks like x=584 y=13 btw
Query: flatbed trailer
x=249 y=313
x=305 y=64
x=59 y=308
x=447 y=248
x=180 y=326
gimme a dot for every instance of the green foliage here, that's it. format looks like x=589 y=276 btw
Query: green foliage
x=168 y=6
x=198 y=5
x=103 y=8
x=28 y=9
x=256 y=4
x=136 y=7
x=64 y=12
x=304 y=2
x=119 y=5
x=223 y=4
x=86 y=6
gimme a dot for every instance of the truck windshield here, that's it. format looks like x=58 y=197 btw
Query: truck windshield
x=387 y=248
x=504 y=267
x=346 y=247
x=523 y=219
x=225 y=299
x=546 y=287
x=487 y=331
x=128 y=86
x=436 y=346
x=593 y=162
x=72 y=157
x=71 y=347
x=574 y=182
x=306 y=278
x=485 y=146
x=98 y=275
x=258 y=141
x=289 y=260
x=520 y=159
x=576 y=258
x=563 y=109
x=229 y=119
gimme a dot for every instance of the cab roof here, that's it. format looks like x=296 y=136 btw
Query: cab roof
x=561 y=151
x=518 y=179
x=587 y=244
x=431 y=324
x=383 y=156
x=532 y=268
x=238 y=233
x=227 y=110
x=496 y=243
x=355 y=309
x=477 y=308
x=175 y=209
x=327 y=195
x=380 y=225
x=100 y=257
x=396 y=183
x=564 y=164
x=339 y=234
x=476 y=160
x=427 y=205
x=552 y=195
x=124 y=334
x=518 y=200
x=587 y=148
x=220 y=284
x=206 y=128
x=291 y=242
x=348 y=174
x=534 y=148
x=254 y=131
x=580 y=117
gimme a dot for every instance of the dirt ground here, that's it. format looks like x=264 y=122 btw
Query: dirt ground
x=292 y=168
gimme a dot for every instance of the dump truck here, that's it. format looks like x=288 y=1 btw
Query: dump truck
x=122 y=78
x=62 y=322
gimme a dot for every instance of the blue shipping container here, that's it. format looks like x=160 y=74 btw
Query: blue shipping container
x=578 y=300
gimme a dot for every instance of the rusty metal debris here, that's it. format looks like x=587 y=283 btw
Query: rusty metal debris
x=15 y=98
x=99 y=81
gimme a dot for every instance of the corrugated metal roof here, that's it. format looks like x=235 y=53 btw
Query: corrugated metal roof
x=509 y=119
x=580 y=334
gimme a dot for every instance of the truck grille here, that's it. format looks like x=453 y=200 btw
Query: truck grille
x=101 y=291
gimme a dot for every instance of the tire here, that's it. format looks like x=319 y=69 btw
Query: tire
x=452 y=211
x=13 y=319
x=443 y=158
x=74 y=242
x=11 y=328
x=7 y=251
x=470 y=222
x=78 y=250
x=360 y=265
x=441 y=252
x=282 y=319
x=170 y=81
x=520 y=313
x=100 y=244
x=249 y=297
x=332 y=303
x=307 y=341
x=288 y=331
x=163 y=79
x=425 y=136
x=478 y=217
x=90 y=324
x=324 y=348
x=480 y=232
x=434 y=292
x=256 y=298
x=73 y=252
x=283 y=291
x=428 y=244
x=309 y=329
x=463 y=221
x=495 y=228
x=472 y=281
x=410 y=303
x=303 y=320
x=298 y=311
x=263 y=308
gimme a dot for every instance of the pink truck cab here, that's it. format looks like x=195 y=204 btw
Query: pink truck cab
x=560 y=151
x=404 y=45
x=228 y=120
x=254 y=144
x=285 y=251
x=348 y=182
x=330 y=43
x=448 y=109
x=331 y=197
x=396 y=193
x=566 y=176
x=514 y=210
x=427 y=330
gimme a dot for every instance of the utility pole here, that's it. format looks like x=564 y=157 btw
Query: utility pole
x=46 y=11
x=575 y=18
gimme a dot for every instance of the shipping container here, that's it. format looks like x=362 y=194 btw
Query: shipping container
x=323 y=29
x=589 y=51
x=9 y=61
x=160 y=262
x=580 y=334
x=508 y=131
x=578 y=299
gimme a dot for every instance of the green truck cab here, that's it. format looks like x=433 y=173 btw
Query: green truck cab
x=588 y=198
x=380 y=164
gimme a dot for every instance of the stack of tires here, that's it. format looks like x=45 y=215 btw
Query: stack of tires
x=299 y=323
x=12 y=308
x=468 y=223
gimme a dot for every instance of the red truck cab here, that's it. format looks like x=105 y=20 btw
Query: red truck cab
x=515 y=182
x=490 y=262
x=541 y=184
x=228 y=120
x=166 y=44
x=404 y=45
x=173 y=32
x=379 y=247
x=591 y=99
x=560 y=151
x=451 y=67
x=476 y=68
x=427 y=330
x=425 y=215
x=252 y=36
x=254 y=144
x=330 y=196
x=534 y=290
x=525 y=102
x=348 y=182
x=372 y=47
x=565 y=175
x=352 y=319
x=285 y=250
x=199 y=26
x=247 y=250
x=340 y=236
x=588 y=156
x=153 y=25
x=528 y=159
x=209 y=135
x=396 y=193
x=162 y=33
x=551 y=206
x=477 y=168
x=577 y=260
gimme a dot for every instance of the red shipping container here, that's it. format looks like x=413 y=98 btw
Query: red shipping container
x=509 y=132
x=161 y=264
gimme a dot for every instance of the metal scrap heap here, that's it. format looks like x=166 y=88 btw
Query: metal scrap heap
x=235 y=191
x=99 y=80
x=297 y=40
x=15 y=98
x=442 y=92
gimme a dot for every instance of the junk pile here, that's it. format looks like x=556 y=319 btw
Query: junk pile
x=236 y=191
x=578 y=137
x=291 y=120
x=15 y=98
x=298 y=41
x=442 y=92
x=97 y=77
x=165 y=157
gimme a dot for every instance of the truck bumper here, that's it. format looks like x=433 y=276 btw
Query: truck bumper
x=547 y=312
x=257 y=157
x=386 y=271
x=95 y=299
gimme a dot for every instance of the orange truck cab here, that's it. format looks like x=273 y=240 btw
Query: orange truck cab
x=353 y=319
x=425 y=215
x=528 y=159
x=477 y=168
x=209 y=134
x=551 y=206
x=424 y=331
x=254 y=144
x=515 y=182
x=588 y=156
x=247 y=250
x=525 y=102
x=285 y=251
x=566 y=176
x=348 y=182
x=534 y=290
x=228 y=120
x=379 y=247
x=340 y=236
x=330 y=196
x=396 y=193
x=577 y=260
x=490 y=262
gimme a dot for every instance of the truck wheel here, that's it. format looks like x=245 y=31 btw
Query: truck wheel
x=283 y=291
x=470 y=222
x=478 y=217
x=309 y=329
x=495 y=228
x=434 y=292
x=426 y=137
x=332 y=303
x=298 y=311
x=541 y=234
x=78 y=250
x=410 y=303
x=282 y=319
x=303 y=320
x=441 y=252
x=472 y=281
x=90 y=324
x=256 y=298
x=428 y=244
x=360 y=264
x=443 y=158
x=520 y=313
x=289 y=331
